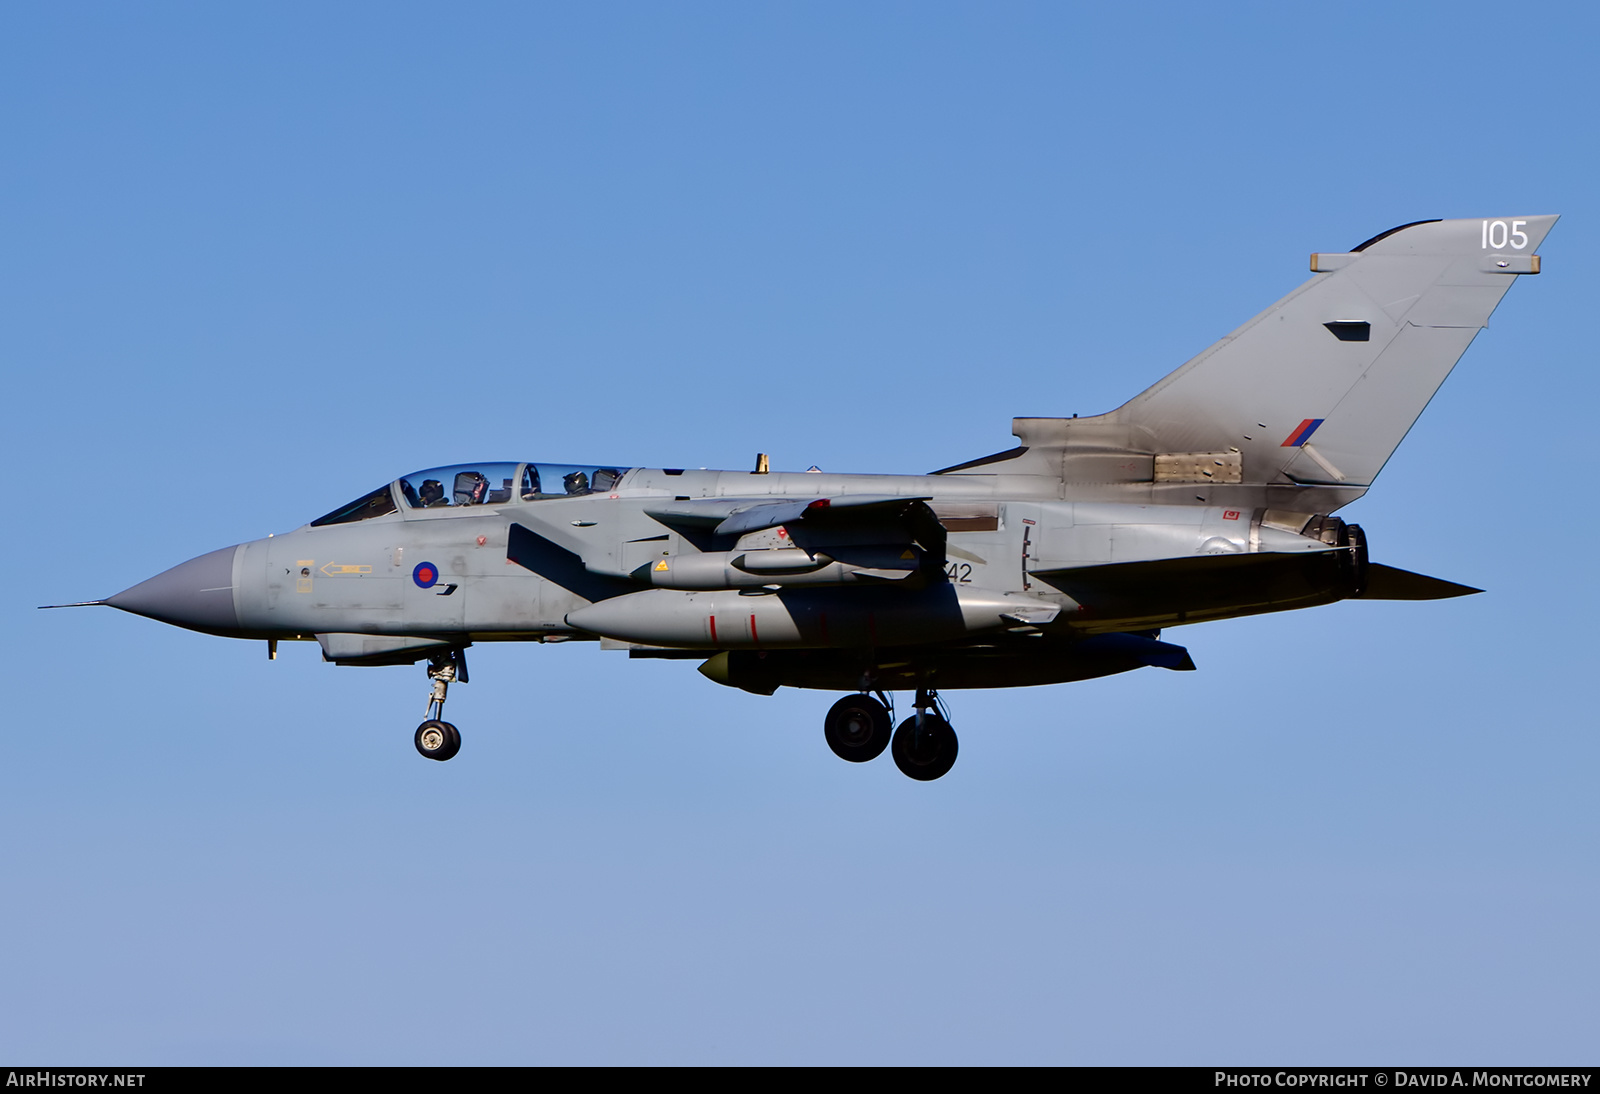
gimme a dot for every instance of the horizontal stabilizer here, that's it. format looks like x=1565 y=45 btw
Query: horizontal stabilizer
x=1389 y=583
x=1169 y=591
x=1149 y=651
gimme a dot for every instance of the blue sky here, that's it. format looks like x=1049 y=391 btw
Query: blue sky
x=258 y=260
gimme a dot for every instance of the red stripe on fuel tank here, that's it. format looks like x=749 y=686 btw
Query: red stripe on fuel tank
x=713 y=619
x=753 y=639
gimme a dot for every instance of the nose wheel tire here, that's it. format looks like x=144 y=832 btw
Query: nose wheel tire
x=925 y=752
x=438 y=740
x=858 y=728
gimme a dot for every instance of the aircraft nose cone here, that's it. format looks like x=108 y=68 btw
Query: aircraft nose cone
x=197 y=594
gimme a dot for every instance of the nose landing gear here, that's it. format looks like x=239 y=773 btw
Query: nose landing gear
x=436 y=738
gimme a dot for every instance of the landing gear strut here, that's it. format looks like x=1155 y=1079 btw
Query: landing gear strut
x=925 y=746
x=436 y=738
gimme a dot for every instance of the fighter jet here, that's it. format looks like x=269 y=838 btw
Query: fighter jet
x=1208 y=496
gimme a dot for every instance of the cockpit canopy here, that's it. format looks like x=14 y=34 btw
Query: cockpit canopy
x=478 y=484
x=463 y=484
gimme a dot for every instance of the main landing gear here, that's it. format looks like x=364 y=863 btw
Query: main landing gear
x=924 y=747
x=858 y=728
x=437 y=739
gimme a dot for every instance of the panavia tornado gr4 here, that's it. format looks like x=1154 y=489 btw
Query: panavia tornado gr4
x=1205 y=497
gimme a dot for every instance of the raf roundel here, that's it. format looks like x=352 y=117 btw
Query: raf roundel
x=426 y=575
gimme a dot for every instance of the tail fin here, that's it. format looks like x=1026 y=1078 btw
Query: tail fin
x=1322 y=386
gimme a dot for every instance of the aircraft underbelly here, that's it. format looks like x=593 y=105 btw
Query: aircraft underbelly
x=1026 y=663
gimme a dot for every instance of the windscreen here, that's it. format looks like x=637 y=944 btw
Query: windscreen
x=375 y=504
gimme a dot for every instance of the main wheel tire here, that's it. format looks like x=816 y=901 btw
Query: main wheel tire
x=858 y=728
x=925 y=753
x=438 y=740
